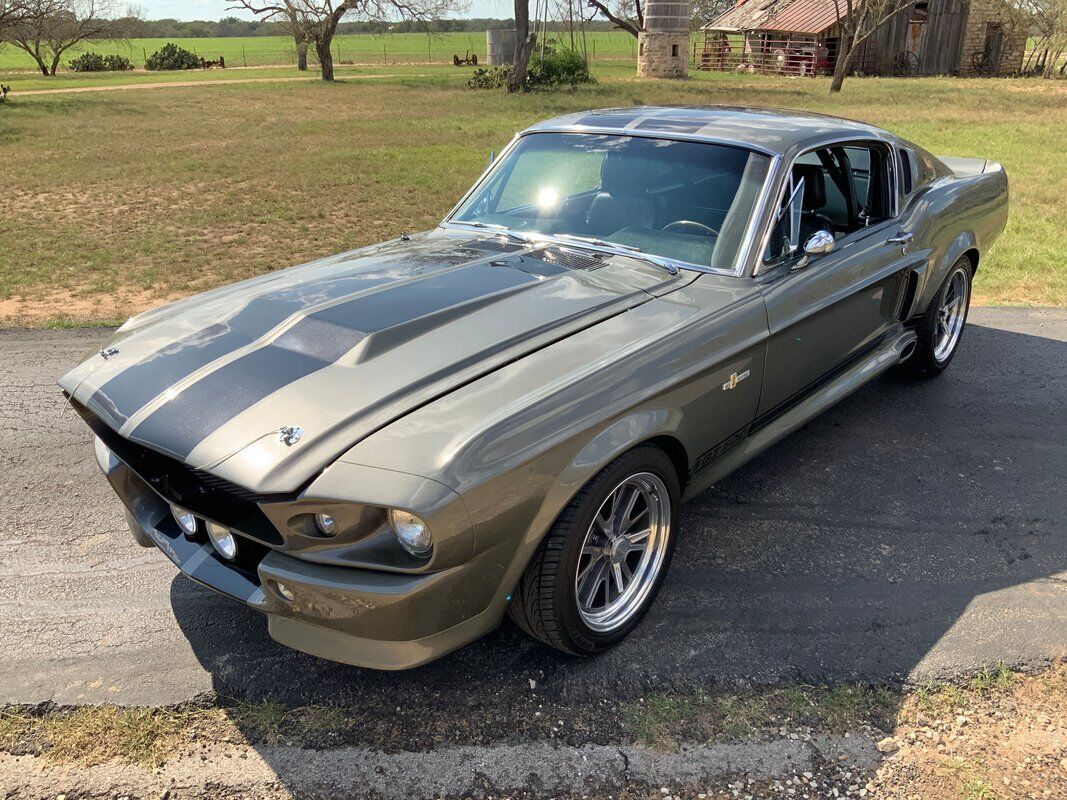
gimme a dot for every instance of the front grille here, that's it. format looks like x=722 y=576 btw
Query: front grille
x=201 y=492
x=217 y=484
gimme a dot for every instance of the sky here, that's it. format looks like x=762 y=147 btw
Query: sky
x=216 y=9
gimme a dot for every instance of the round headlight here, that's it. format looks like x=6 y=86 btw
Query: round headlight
x=412 y=533
x=222 y=540
x=326 y=524
x=186 y=521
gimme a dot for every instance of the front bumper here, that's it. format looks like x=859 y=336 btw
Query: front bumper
x=369 y=618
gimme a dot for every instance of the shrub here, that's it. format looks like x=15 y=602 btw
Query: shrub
x=170 y=56
x=91 y=62
x=490 y=77
x=562 y=67
x=117 y=63
x=88 y=62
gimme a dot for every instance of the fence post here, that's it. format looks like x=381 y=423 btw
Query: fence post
x=244 y=57
x=145 y=54
x=338 y=46
x=383 y=52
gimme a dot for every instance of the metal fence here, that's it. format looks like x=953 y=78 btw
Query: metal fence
x=764 y=53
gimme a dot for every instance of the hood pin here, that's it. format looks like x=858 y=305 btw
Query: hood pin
x=290 y=435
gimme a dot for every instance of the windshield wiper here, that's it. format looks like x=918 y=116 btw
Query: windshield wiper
x=618 y=249
x=500 y=229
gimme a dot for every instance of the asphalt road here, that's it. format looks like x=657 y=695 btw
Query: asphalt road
x=915 y=531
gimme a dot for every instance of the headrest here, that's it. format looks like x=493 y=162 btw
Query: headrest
x=814 y=185
x=619 y=174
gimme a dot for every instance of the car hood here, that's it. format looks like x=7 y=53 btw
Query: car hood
x=336 y=349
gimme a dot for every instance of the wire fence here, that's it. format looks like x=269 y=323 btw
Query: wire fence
x=261 y=51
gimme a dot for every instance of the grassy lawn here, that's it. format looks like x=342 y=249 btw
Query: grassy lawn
x=30 y=81
x=116 y=201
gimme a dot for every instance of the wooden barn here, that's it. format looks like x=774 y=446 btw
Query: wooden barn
x=933 y=37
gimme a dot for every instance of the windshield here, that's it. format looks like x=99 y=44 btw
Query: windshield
x=688 y=201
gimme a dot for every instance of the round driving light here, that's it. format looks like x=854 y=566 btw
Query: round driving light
x=326 y=524
x=412 y=533
x=186 y=521
x=284 y=591
x=222 y=540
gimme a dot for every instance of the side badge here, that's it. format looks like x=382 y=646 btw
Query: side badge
x=290 y=435
x=735 y=379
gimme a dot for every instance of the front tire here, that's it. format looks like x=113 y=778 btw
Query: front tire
x=941 y=326
x=601 y=565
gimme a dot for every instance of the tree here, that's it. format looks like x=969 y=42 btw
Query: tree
x=316 y=21
x=524 y=45
x=860 y=19
x=628 y=15
x=701 y=12
x=52 y=27
x=11 y=13
x=1049 y=21
x=301 y=41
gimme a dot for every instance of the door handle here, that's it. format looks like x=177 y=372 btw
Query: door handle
x=901 y=238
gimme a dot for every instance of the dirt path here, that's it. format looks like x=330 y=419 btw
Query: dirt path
x=221 y=82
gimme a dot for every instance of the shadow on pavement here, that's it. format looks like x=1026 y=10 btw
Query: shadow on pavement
x=916 y=529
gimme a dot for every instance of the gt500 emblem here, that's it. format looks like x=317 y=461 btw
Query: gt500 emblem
x=735 y=379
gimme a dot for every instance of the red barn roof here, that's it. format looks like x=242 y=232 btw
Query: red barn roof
x=793 y=16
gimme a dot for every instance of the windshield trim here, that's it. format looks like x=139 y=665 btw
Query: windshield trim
x=744 y=252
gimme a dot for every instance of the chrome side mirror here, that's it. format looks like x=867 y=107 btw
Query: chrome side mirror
x=818 y=244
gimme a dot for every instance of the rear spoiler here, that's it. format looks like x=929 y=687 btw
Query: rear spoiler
x=966 y=167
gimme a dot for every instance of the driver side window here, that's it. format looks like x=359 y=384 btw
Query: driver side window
x=845 y=188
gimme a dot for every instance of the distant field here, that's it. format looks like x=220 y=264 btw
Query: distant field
x=398 y=48
x=115 y=201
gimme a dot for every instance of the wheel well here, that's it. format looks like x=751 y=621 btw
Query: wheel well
x=675 y=451
x=972 y=256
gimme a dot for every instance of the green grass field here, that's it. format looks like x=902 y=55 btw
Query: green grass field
x=116 y=201
x=396 y=48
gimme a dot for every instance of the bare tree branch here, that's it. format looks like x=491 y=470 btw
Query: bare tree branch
x=631 y=26
x=859 y=20
x=625 y=25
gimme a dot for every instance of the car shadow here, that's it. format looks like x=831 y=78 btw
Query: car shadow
x=913 y=531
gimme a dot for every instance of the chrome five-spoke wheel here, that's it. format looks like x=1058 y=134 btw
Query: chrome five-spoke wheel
x=599 y=567
x=939 y=330
x=623 y=552
x=952 y=313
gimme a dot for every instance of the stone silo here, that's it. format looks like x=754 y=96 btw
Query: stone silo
x=663 y=44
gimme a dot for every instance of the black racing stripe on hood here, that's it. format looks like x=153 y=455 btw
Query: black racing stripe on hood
x=126 y=393
x=313 y=343
x=136 y=385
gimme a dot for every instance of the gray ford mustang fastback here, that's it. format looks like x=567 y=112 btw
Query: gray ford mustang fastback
x=386 y=450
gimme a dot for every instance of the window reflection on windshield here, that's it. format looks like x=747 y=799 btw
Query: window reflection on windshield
x=688 y=201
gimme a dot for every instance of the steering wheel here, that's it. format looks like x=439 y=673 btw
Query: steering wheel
x=700 y=227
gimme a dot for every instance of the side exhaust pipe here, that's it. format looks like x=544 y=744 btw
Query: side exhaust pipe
x=907 y=349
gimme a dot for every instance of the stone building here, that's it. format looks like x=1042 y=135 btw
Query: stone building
x=930 y=37
x=663 y=43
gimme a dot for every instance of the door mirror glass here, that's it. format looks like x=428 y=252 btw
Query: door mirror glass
x=819 y=243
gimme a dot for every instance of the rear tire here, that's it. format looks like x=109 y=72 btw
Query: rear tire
x=597 y=572
x=941 y=326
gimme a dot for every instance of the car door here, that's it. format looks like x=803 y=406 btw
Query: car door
x=827 y=311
